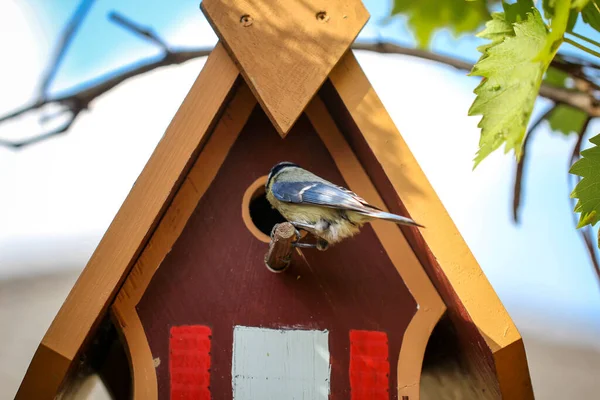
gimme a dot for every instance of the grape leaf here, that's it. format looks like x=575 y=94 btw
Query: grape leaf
x=511 y=79
x=590 y=14
x=427 y=16
x=512 y=67
x=566 y=119
x=587 y=191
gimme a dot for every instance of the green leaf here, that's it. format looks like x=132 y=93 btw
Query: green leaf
x=591 y=14
x=517 y=12
x=587 y=191
x=576 y=6
x=512 y=75
x=427 y=16
x=548 y=6
x=556 y=77
x=566 y=119
x=512 y=67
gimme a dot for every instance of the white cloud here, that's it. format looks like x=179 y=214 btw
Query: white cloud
x=72 y=186
x=22 y=58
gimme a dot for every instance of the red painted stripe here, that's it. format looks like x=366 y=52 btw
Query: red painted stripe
x=189 y=362
x=369 y=365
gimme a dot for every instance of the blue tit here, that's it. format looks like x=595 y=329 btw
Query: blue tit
x=330 y=212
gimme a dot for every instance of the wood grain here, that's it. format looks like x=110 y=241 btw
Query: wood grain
x=474 y=349
x=195 y=184
x=279 y=255
x=490 y=338
x=285 y=48
x=431 y=307
x=99 y=282
x=215 y=276
x=38 y=384
x=257 y=188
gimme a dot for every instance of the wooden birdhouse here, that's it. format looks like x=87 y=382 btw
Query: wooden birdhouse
x=395 y=312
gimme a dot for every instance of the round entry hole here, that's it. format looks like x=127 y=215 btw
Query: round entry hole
x=259 y=216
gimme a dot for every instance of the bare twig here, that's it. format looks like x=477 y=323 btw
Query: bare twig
x=588 y=239
x=82 y=95
x=576 y=152
x=61 y=129
x=63 y=44
x=146 y=33
x=585 y=233
x=279 y=256
x=43 y=98
x=583 y=101
x=79 y=98
x=518 y=184
x=393 y=48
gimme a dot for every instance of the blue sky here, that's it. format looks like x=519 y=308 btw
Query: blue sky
x=102 y=45
x=541 y=263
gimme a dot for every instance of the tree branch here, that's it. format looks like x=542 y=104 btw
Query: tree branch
x=576 y=152
x=146 y=33
x=518 y=184
x=46 y=135
x=585 y=233
x=588 y=240
x=79 y=98
x=63 y=45
x=83 y=94
x=583 y=101
x=392 y=48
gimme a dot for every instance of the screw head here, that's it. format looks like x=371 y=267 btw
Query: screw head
x=246 y=20
x=322 y=16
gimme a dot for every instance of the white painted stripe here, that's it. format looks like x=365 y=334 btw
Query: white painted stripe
x=278 y=364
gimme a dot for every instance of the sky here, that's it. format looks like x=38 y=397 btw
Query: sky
x=58 y=197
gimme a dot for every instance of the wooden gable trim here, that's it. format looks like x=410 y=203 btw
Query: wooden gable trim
x=440 y=246
x=285 y=49
x=430 y=305
x=131 y=228
x=164 y=237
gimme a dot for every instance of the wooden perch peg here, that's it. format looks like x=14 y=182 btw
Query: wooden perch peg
x=279 y=256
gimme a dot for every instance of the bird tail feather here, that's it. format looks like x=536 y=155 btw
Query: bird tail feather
x=394 y=218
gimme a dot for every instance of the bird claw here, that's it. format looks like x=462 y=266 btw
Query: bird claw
x=322 y=245
x=304 y=245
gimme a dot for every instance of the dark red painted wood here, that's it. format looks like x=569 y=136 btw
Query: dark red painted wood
x=476 y=354
x=215 y=274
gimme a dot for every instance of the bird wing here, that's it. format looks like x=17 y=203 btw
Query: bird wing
x=321 y=194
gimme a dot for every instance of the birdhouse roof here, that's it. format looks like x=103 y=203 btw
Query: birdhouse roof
x=290 y=57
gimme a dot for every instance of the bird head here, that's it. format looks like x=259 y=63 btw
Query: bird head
x=277 y=168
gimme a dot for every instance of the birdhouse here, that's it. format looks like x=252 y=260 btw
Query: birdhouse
x=395 y=312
